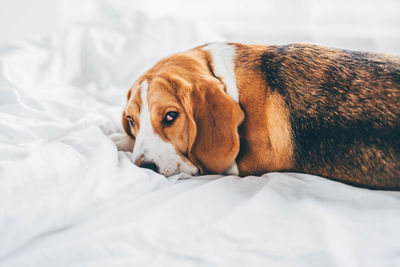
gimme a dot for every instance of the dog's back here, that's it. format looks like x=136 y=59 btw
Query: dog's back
x=345 y=111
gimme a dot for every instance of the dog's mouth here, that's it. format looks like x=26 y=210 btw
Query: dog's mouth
x=150 y=165
x=172 y=169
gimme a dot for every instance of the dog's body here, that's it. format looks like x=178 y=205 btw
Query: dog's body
x=250 y=109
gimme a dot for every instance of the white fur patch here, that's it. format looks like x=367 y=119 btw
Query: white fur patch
x=223 y=56
x=149 y=147
x=233 y=169
x=224 y=66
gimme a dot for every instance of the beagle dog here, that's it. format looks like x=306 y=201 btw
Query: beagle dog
x=239 y=109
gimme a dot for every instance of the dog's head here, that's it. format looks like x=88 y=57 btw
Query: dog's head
x=182 y=118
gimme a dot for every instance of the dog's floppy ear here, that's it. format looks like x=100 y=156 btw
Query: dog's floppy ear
x=125 y=121
x=213 y=119
x=126 y=125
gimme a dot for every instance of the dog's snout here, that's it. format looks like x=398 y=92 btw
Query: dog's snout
x=149 y=165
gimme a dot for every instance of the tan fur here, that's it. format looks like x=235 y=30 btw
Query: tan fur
x=304 y=108
x=266 y=117
x=183 y=83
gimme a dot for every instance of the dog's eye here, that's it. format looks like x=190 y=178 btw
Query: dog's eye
x=169 y=118
x=131 y=121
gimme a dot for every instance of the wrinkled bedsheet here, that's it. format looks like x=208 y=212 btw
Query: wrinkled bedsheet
x=69 y=198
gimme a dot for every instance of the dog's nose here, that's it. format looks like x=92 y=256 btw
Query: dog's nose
x=149 y=165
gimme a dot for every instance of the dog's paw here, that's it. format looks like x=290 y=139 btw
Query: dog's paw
x=123 y=141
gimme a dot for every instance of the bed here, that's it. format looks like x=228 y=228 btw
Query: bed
x=69 y=198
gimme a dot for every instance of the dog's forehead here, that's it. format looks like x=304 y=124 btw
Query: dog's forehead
x=155 y=93
x=160 y=96
x=188 y=65
x=134 y=101
x=165 y=78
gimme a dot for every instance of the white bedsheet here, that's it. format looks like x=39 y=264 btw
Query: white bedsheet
x=69 y=198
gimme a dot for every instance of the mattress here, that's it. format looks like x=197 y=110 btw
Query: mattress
x=69 y=198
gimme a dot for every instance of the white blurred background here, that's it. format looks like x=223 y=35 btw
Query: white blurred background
x=359 y=24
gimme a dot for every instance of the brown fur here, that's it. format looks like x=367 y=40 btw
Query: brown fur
x=306 y=108
x=202 y=105
x=344 y=111
x=266 y=117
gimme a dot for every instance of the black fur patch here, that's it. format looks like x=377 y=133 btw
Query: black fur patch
x=344 y=110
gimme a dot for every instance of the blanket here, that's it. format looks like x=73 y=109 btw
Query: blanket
x=69 y=198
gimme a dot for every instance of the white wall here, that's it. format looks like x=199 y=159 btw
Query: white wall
x=354 y=24
x=20 y=18
x=357 y=24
